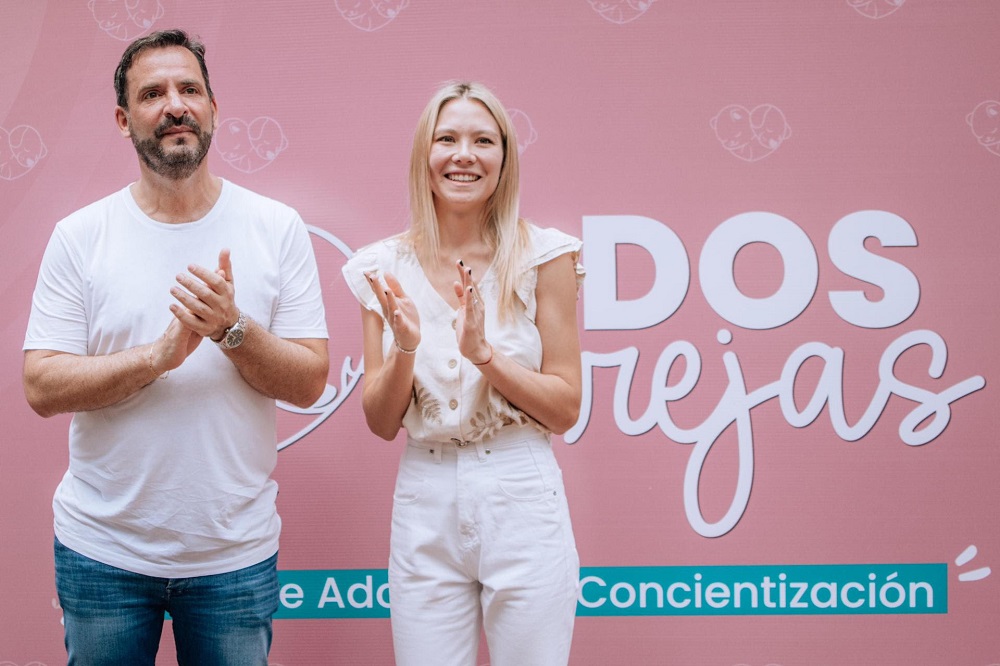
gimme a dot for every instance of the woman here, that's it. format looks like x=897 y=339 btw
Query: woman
x=471 y=344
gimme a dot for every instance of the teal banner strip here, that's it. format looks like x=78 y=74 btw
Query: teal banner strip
x=799 y=589
x=794 y=589
x=308 y=594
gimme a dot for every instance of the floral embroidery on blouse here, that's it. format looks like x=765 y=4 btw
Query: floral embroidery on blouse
x=499 y=413
x=429 y=406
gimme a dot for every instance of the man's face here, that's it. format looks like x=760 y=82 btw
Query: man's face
x=170 y=117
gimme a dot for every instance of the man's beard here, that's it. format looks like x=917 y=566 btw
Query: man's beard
x=177 y=163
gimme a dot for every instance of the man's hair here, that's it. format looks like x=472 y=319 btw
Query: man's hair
x=157 y=40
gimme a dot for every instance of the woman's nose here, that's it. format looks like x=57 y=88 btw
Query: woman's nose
x=463 y=153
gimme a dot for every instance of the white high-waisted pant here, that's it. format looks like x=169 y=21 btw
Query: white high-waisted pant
x=481 y=535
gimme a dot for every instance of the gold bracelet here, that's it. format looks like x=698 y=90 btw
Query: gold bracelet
x=405 y=351
x=486 y=362
x=152 y=371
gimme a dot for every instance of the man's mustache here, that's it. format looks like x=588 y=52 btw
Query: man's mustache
x=185 y=120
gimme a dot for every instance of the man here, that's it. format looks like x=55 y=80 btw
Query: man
x=172 y=370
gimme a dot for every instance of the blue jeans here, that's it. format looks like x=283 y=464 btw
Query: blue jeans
x=115 y=617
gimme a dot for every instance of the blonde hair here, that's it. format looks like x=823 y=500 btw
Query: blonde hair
x=506 y=233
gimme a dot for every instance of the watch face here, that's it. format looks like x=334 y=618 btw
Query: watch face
x=234 y=337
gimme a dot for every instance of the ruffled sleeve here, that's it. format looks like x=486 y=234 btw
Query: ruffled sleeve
x=365 y=260
x=546 y=245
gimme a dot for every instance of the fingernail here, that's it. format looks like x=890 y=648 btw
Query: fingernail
x=461 y=263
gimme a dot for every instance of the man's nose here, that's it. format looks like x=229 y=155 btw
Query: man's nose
x=175 y=105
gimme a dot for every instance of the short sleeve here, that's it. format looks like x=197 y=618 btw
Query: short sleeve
x=546 y=245
x=365 y=260
x=300 y=312
x=58 y=318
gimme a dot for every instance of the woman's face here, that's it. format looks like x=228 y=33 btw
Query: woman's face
x=466 y=156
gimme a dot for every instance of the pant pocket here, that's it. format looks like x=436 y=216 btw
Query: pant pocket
x=523 y=472
x=412 y=477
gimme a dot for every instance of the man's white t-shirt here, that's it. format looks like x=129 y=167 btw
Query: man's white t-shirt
x=174 y=481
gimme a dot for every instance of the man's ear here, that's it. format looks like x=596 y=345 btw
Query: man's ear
x=121 y=119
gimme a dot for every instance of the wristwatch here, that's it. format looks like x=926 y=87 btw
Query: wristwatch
x=233 y=336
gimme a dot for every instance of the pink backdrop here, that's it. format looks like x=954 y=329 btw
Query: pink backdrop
x=754 y=181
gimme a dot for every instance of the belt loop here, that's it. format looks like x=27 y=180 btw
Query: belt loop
x=437 y=452
x=481 y=450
